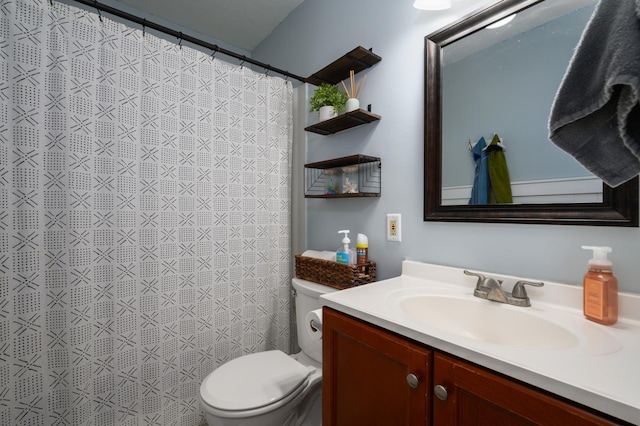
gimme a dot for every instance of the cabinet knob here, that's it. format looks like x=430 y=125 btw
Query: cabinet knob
x=413 y=381
x=441 y=392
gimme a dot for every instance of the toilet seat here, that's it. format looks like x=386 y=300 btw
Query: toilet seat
x=253 y=381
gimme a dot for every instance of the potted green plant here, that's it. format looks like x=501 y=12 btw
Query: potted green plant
x=327 y=100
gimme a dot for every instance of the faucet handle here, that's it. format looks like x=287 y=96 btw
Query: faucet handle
x=481 y=278
x=519 y=292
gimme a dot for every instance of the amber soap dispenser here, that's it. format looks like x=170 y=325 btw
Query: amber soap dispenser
x=600 y=288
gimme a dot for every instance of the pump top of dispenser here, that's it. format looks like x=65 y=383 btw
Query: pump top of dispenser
x=344 y=254
x=599 y=259
x=346 y=239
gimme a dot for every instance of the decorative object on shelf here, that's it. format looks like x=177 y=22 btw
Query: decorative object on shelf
x=353 y=103
x=327 y=95
x=350 y=179
x=326 y=112
x=333 y=181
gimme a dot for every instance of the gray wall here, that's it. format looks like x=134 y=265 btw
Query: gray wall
x=320 y=31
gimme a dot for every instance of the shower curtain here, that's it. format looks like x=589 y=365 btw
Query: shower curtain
x=144 y=219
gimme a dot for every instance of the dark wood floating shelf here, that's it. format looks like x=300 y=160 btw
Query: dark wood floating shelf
x=359 y=194
x=343 y=161
x=343 y=122
x=357 y=60
x=318 y=175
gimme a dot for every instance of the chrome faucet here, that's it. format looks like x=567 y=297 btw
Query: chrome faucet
x=490 y=289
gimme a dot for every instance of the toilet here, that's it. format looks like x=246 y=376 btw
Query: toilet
x=271 y=388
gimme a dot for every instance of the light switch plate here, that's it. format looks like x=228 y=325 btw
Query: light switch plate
x=394 y=230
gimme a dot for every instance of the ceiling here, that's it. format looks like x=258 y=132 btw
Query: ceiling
x=525 y=20
x=240 y=23
x=246 y=23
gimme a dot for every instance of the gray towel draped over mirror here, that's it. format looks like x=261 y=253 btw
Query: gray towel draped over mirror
x=596 y=113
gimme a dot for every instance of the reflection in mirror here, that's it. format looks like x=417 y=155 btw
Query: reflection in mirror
x=482 y=83
x=483 y=88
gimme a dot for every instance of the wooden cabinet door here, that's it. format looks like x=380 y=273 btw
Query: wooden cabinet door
x=364 y=376
x=478 y=397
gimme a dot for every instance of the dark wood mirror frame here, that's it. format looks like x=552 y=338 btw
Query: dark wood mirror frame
x=619 y=206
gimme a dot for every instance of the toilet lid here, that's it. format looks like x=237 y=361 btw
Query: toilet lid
x=253 y=381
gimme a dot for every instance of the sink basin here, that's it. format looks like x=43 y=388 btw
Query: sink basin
x=487 y=321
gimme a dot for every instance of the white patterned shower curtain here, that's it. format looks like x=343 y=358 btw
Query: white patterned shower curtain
x=144 y=219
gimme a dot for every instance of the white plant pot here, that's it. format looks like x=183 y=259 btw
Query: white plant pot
x=353 y=104
x=327 y=112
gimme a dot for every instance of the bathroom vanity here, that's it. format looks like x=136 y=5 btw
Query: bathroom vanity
x=419 y=349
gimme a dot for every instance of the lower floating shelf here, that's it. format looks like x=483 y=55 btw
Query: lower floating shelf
x=343 y=122
x=353 y=195
x=346 y=177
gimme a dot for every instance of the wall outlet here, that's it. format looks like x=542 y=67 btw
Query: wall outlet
x=394 y=231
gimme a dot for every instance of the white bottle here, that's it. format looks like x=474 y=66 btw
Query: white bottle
x=344 y=254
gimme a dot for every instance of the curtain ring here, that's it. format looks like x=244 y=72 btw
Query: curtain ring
x=180 y=41
x=95 y=4
x=144 y=26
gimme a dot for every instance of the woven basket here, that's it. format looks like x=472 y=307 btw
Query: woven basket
x=333 y=274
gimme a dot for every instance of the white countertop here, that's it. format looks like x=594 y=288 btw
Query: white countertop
x=602 y=372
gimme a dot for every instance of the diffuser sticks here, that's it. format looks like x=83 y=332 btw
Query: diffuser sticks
x=355 y=87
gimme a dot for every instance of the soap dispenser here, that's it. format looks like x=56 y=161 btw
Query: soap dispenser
x=600 y=288
x=344 y=254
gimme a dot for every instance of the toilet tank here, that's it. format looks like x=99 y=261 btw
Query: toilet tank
x=307 y=299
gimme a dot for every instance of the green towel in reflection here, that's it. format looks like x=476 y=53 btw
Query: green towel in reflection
x=500 y=192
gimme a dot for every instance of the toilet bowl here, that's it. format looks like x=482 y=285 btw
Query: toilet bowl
x=271 y=388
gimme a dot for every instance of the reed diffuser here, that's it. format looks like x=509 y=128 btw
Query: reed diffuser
x=353 y=103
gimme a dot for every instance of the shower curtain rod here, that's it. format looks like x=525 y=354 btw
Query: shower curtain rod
x=181 y=36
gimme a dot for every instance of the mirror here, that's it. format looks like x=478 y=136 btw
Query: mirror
x=475 y=87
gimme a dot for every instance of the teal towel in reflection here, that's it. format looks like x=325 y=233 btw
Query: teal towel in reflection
x=480 y=190
x=500 y=183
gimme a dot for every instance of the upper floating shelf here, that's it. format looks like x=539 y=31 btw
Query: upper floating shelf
x=357 y=60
